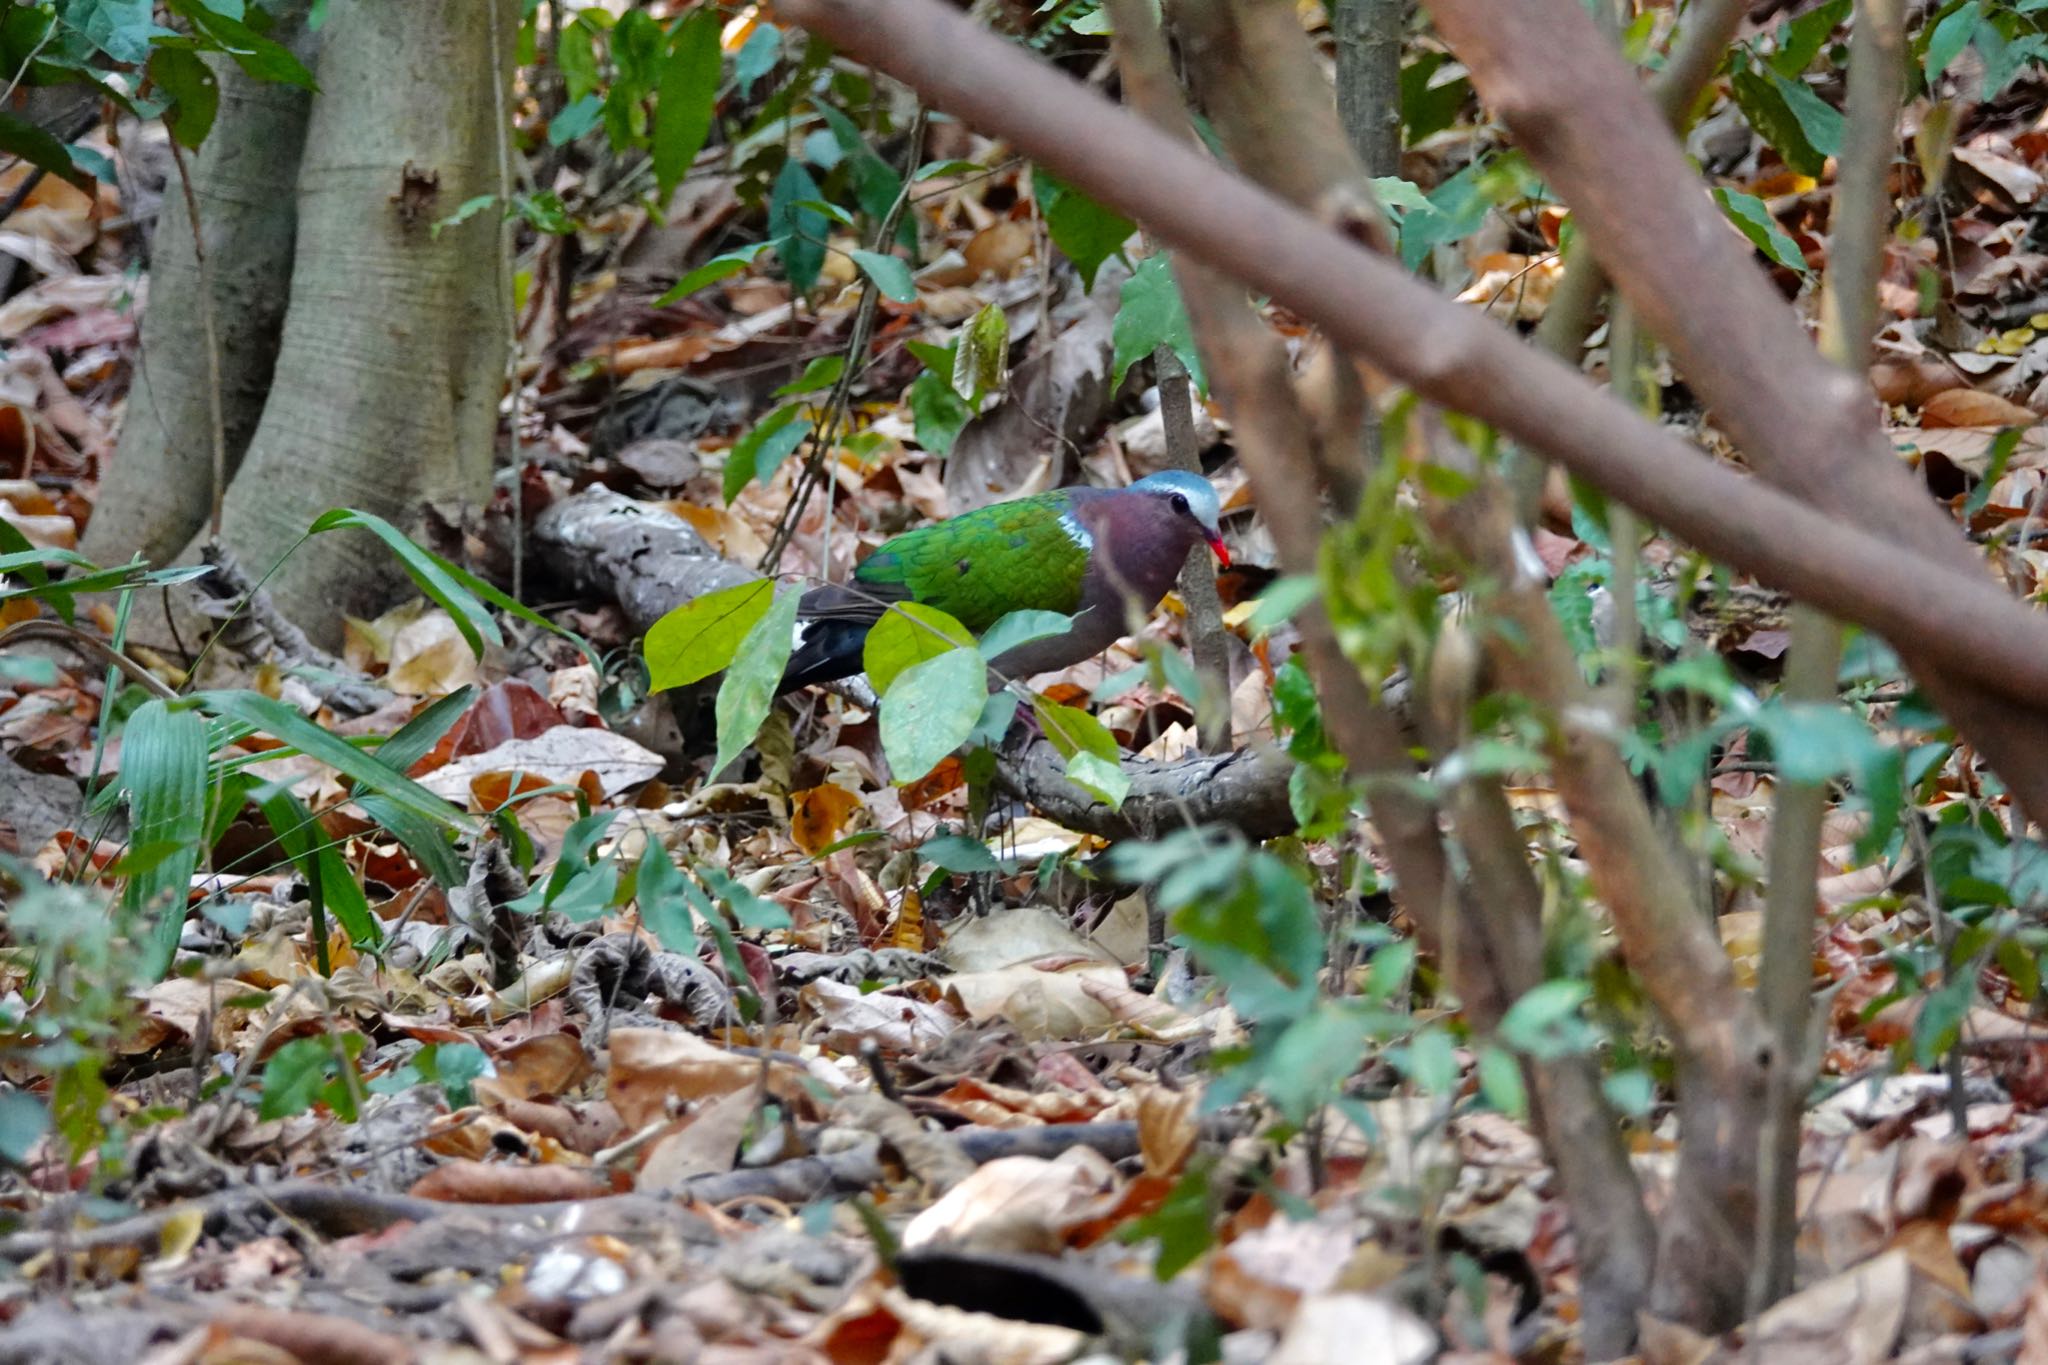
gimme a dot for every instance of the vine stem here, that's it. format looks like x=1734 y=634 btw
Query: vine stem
x=508 y=243
x=215 y=420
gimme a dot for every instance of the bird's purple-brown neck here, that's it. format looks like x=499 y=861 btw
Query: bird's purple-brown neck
x=1140 y=542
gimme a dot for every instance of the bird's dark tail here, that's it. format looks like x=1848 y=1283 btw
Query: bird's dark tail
x=826 y=651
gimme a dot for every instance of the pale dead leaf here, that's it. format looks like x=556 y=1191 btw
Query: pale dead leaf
x=1018 y=1203
x=897 y=1023
x=706 y=1146
x=558 y=755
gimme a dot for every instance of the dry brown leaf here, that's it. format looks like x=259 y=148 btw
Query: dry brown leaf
x=1974 y=408
x=897 y=1023
x=560 y=756
x=819 y=816
x=705 y=1145
x=1017 y=1203
x=654 y=1071
x=480 y=1182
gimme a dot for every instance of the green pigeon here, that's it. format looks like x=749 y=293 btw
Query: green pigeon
x=1090 y=553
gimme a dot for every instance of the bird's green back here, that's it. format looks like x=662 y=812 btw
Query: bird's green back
x=981 y=565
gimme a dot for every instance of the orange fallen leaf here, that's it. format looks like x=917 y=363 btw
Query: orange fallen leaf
x=819 y=816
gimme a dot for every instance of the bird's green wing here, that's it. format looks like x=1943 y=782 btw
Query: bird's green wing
x=982 y=565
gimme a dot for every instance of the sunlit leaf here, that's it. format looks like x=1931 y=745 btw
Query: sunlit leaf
x=749 y=687
x=701 y=637
x=930 y=710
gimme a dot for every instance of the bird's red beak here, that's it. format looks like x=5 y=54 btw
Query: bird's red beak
x=1220 y=550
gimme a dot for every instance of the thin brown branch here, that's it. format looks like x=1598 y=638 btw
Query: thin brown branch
x=1206 y=640
x=1952 y=614
x=1859 y=227
x=216 y=421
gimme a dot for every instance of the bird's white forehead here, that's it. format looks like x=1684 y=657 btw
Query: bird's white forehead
x=1199 y=492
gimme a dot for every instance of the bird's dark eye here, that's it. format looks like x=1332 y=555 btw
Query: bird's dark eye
x=1180 y=504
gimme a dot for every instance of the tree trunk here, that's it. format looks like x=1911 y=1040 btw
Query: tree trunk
x=159 y=492
x=386 y=391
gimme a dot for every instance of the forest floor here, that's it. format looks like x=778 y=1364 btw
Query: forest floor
x=928 y=1132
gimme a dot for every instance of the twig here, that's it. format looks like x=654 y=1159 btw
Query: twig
x=1206 y=640
x=826 y=437
x=206 y=323
x=75 y=639
x=1859 y=226
x=507 y=245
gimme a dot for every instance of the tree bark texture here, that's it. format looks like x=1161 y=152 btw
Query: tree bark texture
x=386 y=391
x=159 y=491
x=1369 y=79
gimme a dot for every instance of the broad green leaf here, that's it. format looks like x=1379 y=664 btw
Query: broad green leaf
x=1800 y=40
x=822 y=373
x=123 y=29
x=1500 y=1082
x=1021 y=628
x=930 y=710
x=193 y=89
x=576 y=59
x=309 y=1071
x=1750 y=214
x=1184 y=1225
x=1102 y=777
x=415 y=739
x=981 y=357
x=24 y=1119
x=799 y=233
x=280 y=721
x=937 y=413
x=1073 y=731
x=163 y=770
x=1763 y=103
x=889 y=273
x=958 y=853
x=1432 y=1061
x=908 y=634
x=1950 y=37
x=1149 y=315
x=749 y=687
x=717 y=268
x=685 y=97
x=572 y=122
x=701 y=637
x=755 y=455
x=1820 y=121
x=329 y=882
x=263 y=58
x=1088 y=233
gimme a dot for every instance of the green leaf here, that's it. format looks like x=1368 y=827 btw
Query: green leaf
x=24 y=1119
x=19 y=137
x=1282 y=600
x=756 y=455
x=309 y=1071
x=329 y=882
x=1500 y=1081
x=1021 y=628
x=193 y=89
x=685 y=98
x=1950 y=37
x=1546 y=1022
x=263 y=58
x=1184 y=1225
x=1762 y=101
x=960 y=854
x=749 y=687
x=1820 y=121
x=575 y=120
x=703 y=635
x=822 y=373
x=1750 y=214
x=930 y=710
x=432 y=573
x=937 y=413
x=1073 y=731
x=1800 y=40
x=749 y=910
x=1429 y=106
x=576 y=59
x=908 y=634
x=163 y=771
x=711 y=272
x=757 y=57
x=1099 y=776
x=664 y=901
x=1432 y=1061
x=123 y=29
x=1149 y=315
x=981 y=357
x=280 y=721
x=1087 y=232
x=799 y=232
x=889 y=273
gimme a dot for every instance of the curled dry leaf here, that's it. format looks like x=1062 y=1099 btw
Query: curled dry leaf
x=1038 y=1004
x=1017 y=1203
x=897 y=1023
x=560 y=756
x=654 y=1072
x=1974 y=408
x=479 y=1182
